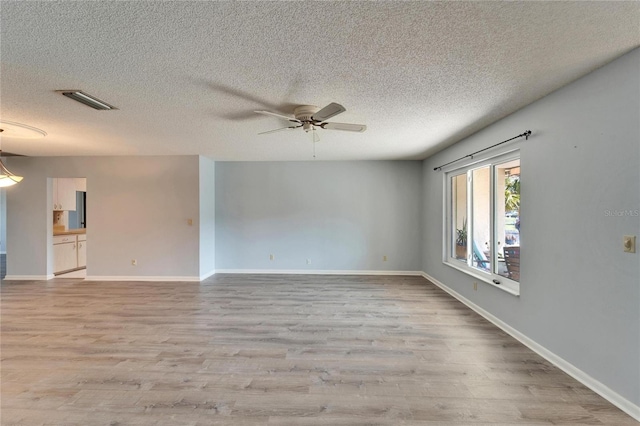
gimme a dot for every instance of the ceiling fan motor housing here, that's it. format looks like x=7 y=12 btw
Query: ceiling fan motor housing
x=304 y=113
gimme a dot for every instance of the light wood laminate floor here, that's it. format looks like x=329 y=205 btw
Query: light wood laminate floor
x=271 y=350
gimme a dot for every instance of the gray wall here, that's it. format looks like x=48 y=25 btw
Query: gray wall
x=579 y=292
x=341 y=215
x=137 y=208
x=3 y=220
x=207 y=217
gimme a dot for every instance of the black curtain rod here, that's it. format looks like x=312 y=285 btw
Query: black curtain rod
x=525 y=135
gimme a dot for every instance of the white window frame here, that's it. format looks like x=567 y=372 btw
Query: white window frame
x=489 y=277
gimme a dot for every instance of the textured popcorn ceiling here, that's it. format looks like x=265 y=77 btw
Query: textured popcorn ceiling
x=186 y=76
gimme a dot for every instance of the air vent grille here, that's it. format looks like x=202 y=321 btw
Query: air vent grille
x=88 y=100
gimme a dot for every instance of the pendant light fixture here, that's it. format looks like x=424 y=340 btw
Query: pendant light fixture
x=6 y=177
x=15 y=130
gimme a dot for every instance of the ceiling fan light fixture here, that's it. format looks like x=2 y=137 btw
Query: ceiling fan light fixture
x=6 y=177
x=10 y=129
x=310 y=117
x=88 y=100
x=16 y=130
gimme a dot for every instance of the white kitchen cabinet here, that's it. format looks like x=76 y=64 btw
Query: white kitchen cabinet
x=69 y=252
x=61 y=239
x=82 y=251
x=65 y=256
x=55 y=194
x=64 y=194
x=81 y=184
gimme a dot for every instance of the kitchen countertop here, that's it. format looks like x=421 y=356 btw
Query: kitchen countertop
x=71 y=232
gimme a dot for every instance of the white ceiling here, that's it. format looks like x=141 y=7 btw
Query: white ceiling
x=186 y=76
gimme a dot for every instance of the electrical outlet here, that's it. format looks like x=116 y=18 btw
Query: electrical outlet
x=308 y=261
x=271 y=257
x=629 y=243
x=384 y=258
x=134 y=262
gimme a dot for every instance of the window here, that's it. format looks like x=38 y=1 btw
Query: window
x=482 y=220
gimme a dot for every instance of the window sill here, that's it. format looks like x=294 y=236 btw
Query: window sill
x=509 y=287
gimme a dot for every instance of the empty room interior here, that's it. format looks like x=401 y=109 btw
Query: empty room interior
x=319 y=213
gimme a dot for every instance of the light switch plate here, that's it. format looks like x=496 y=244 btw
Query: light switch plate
x=629 y=243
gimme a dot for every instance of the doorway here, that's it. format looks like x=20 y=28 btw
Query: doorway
x=3 y=233
x=69 y=224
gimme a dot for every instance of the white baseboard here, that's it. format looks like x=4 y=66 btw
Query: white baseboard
x=27 y=277
x=140 y=278
x=207 y=275
x=218 y=271
x=598 y=387
x=316 y=272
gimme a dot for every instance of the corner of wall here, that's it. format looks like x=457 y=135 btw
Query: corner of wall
x=207 y=217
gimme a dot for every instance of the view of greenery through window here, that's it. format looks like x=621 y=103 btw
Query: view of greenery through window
x=509 y=230
x=478 y=212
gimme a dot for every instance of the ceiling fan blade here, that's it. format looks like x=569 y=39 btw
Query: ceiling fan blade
x=278 y=130
x=344 y=126
x=10 y=154
x=329 y=111
x=273 y=114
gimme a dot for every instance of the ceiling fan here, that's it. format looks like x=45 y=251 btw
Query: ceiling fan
x=14 y=130
x=310 y=117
